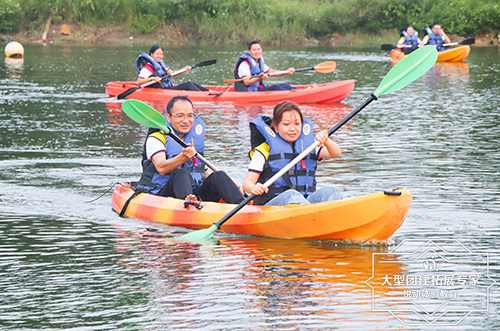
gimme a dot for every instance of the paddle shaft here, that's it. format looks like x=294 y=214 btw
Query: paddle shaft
x=451 y=44
x=329 y=65
x=198 y=155
x=349 y=116
x=175 y=73
x=296 y=160
x=125 y=94
x=285 y=72
x=153 y=81
x=276 y=73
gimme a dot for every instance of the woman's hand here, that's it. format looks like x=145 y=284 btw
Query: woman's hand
x=257 y=189
x=322 y=137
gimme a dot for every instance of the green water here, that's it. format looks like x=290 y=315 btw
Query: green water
x=69 y=264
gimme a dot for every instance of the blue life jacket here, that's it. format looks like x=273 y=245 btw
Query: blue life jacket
x=151 y=179
x=300 y=177
x=255 y=69
x=410 y=40
x=159 y=69
x=436 y=40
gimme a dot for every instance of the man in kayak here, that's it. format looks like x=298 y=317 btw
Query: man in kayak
x=173 y=171
x=251 y=64
x=435 y=36
x=276 y=142
x=409 y=39
x=151 y=67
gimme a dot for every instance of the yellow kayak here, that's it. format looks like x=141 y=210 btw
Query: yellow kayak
x=373 y=217
x=457 y=54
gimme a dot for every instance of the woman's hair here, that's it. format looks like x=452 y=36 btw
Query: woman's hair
x=282 y=107
x=154 y=48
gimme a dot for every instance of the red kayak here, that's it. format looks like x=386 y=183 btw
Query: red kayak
x=315 y=93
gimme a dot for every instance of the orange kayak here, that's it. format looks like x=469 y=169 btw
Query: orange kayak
x=316 y=93
x=457 y=54
x=373 y=217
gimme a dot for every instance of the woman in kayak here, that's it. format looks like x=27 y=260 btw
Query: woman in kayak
x=151 y=67
x=277 y=141
x=409 y=39
x=251 y=66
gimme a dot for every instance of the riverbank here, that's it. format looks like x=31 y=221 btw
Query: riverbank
x=172 y=36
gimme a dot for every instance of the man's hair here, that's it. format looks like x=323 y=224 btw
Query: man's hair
x=434 y=24
x=172 y=101
x=253 y=43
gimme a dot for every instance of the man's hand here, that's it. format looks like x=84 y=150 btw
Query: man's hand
x=189 y=152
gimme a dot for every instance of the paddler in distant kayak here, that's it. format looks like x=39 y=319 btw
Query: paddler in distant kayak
x=435 y=36
x=251 y=63
x=173 y=171
x=409 y=39
x=151 y=67
x=277 y=141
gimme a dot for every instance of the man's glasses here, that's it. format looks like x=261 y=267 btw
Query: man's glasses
x=182 y=116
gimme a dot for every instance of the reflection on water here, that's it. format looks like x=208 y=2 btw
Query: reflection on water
x=68 y=264
x=455 y=69
x=14 y=67
x=262 y=281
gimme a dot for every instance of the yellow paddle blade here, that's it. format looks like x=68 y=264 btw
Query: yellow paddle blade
x=326 y=67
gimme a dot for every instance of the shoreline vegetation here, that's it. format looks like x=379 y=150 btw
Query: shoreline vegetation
x=228 y=22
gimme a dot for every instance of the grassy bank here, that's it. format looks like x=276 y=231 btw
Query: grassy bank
x=278 y=22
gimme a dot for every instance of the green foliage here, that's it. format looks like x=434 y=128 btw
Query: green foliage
x=10 y=13
x=144 y=23
x=272 y=20
x=461 y=17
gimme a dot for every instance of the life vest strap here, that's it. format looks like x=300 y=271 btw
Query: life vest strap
x=289 y=156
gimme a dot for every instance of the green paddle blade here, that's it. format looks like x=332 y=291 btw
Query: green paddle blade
x=145 y=115
x=408 y=69
x=200 y=235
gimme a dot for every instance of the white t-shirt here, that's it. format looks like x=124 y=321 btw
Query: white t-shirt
x=146 y=71
x=154 y=146
x=244 y=69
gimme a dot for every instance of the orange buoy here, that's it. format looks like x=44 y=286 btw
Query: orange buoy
x=65 y=30
x=14 y=50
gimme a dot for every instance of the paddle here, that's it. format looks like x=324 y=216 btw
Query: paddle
x=150 y=117
x=403 y=73
x=323 y=67
x=405 y=50
x=469 y=41
x=388 y=47
x=123 y=95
